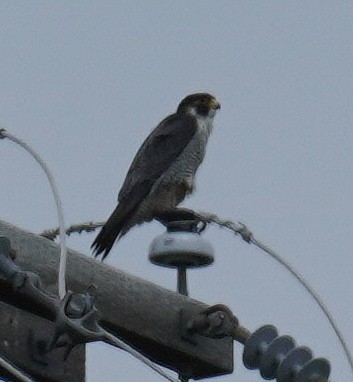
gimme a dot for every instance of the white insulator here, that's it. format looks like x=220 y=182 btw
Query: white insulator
x=175 y=249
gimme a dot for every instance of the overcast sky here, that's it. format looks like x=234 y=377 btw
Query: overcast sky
x=84 y=82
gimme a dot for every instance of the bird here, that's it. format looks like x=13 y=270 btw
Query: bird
x=163 y=171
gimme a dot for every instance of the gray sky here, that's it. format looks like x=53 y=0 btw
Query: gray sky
x=84 y=82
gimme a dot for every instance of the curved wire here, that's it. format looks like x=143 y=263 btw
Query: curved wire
x=312 y=293
x=242 y=230
x=63 y=250
x=62 y=269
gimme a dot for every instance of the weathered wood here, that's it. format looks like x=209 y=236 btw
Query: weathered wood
x=144 y=314
x=19 y=335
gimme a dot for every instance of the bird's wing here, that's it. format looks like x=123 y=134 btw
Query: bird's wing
x=157 y=153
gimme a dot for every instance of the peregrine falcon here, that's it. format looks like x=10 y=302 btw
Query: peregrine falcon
x=163 y=171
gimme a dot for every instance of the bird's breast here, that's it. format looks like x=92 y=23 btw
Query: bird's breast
x=178 y=180
x=182 y=171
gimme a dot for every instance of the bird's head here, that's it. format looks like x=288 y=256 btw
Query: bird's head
x=200 y=104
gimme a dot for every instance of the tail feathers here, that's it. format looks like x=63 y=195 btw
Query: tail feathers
x=114 y=228
x=122 y=219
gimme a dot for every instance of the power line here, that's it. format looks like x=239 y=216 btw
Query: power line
x=63 y=257
x=241 y=229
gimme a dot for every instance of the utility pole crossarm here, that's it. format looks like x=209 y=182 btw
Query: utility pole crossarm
x=145 y=315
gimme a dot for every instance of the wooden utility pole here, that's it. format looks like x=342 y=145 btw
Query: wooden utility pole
x=21 y=334
x=146 y=315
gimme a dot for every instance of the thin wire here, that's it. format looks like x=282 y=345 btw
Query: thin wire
x=242 y=230
x=313 y=294
x=120 y=344
x=63 y=249
x=51 y=234
x=14 y=371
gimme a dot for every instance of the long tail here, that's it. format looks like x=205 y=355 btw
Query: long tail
x=115 y=227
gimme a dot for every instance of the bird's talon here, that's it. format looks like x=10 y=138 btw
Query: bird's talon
x=200 y=226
